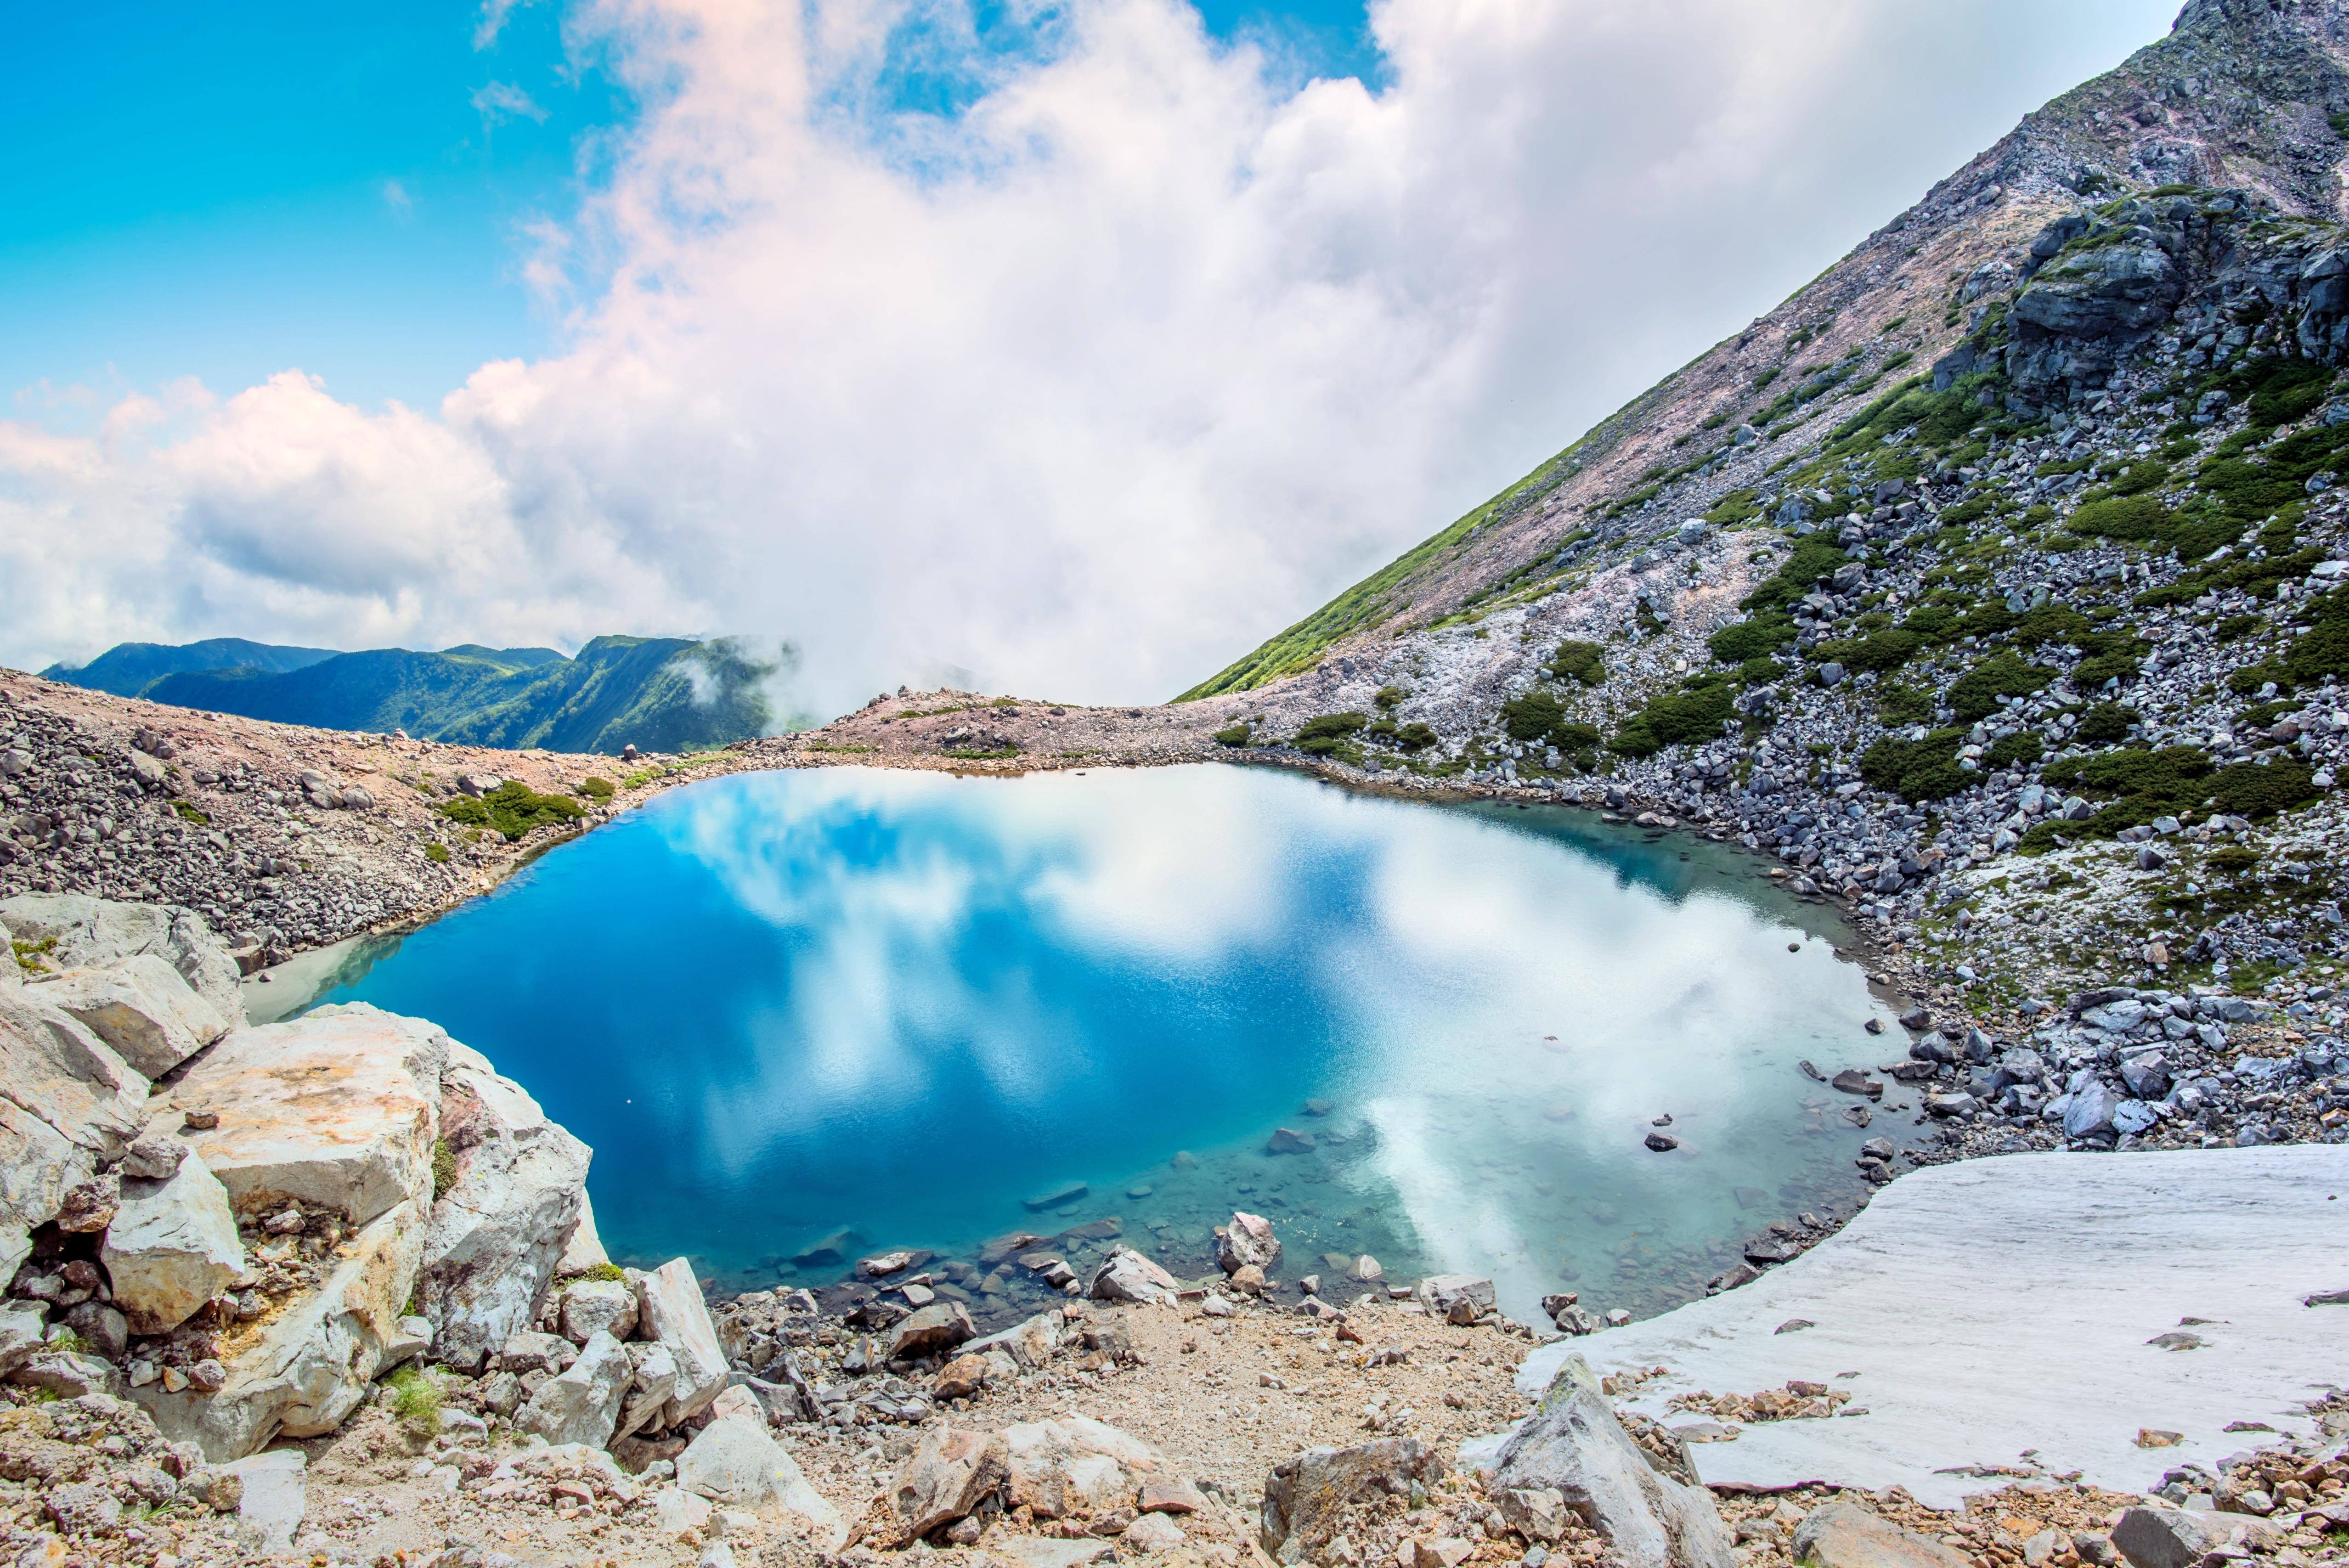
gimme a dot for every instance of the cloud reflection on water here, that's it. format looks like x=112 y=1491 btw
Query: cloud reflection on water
x=928 y=924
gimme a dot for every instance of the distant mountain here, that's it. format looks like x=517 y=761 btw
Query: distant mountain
x=659 y=694
x=128 y=669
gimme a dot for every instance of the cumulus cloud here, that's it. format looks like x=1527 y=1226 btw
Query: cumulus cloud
x=1084 y=387
x=497 y=102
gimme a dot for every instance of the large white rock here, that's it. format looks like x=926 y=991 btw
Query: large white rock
x=12 y=973
x=2037 y=1282
x=581 y=1404
x=584 y=1250
x=142 y=1007
x=735 y=1461
x=670 y=1310
x=337 y=1109
x=68 y=1102
x=172 y=1246
x=92 y=933
x=1574 y=1445
x=498 y=1234
x=304 y=1373
x=271 y=1500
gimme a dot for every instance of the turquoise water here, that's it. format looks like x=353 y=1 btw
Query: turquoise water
x=785 y=1006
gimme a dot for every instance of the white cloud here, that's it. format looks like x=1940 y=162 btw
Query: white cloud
x=498 y=102
x=396 y=197
x=1087 y=390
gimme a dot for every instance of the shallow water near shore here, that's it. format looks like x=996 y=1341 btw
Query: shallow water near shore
x=805 y=1016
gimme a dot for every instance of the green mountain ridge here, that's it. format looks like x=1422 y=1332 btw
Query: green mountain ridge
x=658 y=694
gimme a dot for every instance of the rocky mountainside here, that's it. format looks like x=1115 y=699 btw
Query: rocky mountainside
x=658 y=694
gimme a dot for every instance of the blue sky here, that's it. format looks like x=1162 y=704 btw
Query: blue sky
x=227 y=191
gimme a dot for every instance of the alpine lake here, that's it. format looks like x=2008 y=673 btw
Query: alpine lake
x=805 y=1016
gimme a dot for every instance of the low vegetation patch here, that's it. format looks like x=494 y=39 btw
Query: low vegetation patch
x=512 y=809
x=1675 y=719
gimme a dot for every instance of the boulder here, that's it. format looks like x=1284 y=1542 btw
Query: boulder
x=736 y=1462
x=22 y=1325
x=590 y=1305
x=498 y=1232
x=585 y=1249
x=1127 y=1275
x=1845 y=1535
x=171 y=1247
x=336 y=1111
x=68 y=1102
x=1031 y=1343
x=305 y=1371
x=95 y=932
x=651 y=1388
x=271 y=1500
x=1572 y=1443
x=939 y=1327
x=2158 y=1537
x=671 y=1312
x=1247 y=1241
x=1539 y=1513
x=1152 y=1532
x=1444 y=1296
x=1306 y=1496
x=582 y=1404
x=142 y=1007
x=944 y=1480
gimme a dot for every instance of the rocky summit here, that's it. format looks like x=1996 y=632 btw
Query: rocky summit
x=1993 y=590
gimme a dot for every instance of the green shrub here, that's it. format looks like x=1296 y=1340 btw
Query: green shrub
x=1675 y=719
x=1414 y=737
x=2234 y=859
x=1903 y=705
x=595 y=788
x=2261 y=790
x=1532 y=716
x=2052 y=624
x=512 y=809
x=444 y=1168
x=1811 y=560
x=601 y=1273
x=2288 y=391
x=2132 y=517
x=188 y=812
x=1743 y=640
x=1884 y=651
x=2140 y=784
x=1323 y=734
x=2235 y=627
x=1390 y=697
x=1236 y=735
x=1584 y=662
x=1973 y=509
x=2089 y=674
x=1917 y=770
x=2324 y=649
x=437 y=853
x=1975 y=694
x=2024 y=746
x=415 y=1398
x=2105 y=724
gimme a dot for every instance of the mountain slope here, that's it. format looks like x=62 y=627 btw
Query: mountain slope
x=2245 y=94
x=1996 y=583
x=665 y=694
x=128 y=669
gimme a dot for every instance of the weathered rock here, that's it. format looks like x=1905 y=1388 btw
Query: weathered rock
x=271 y=1502
x=1305 y=1496
x=736 y=1462
x=585 y=1249
x=960 y=1378
x=1152 y=1532
x=1443 y=1294
x=654 y=1384
x=939 y=1327
x=152 y=1158
x=142 y=1007
x=1031 y=1343
x=1127 y=1275
x=498 y=1232
x=944 y=1479
x=590 y=1305
x=67 y=1102
x=171 y=1247
x=21 y=1327
x=1573 y=1443
x=95 y=932
x=336 y=1111
x=1248 y=1240
x=531 y=1351
x=1170 y=1494
x=670 y=1310
x=582 y=1404
x=307 y=1370
x=2155 y=1537
x=1537 y=1514
x=1845 y=1535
